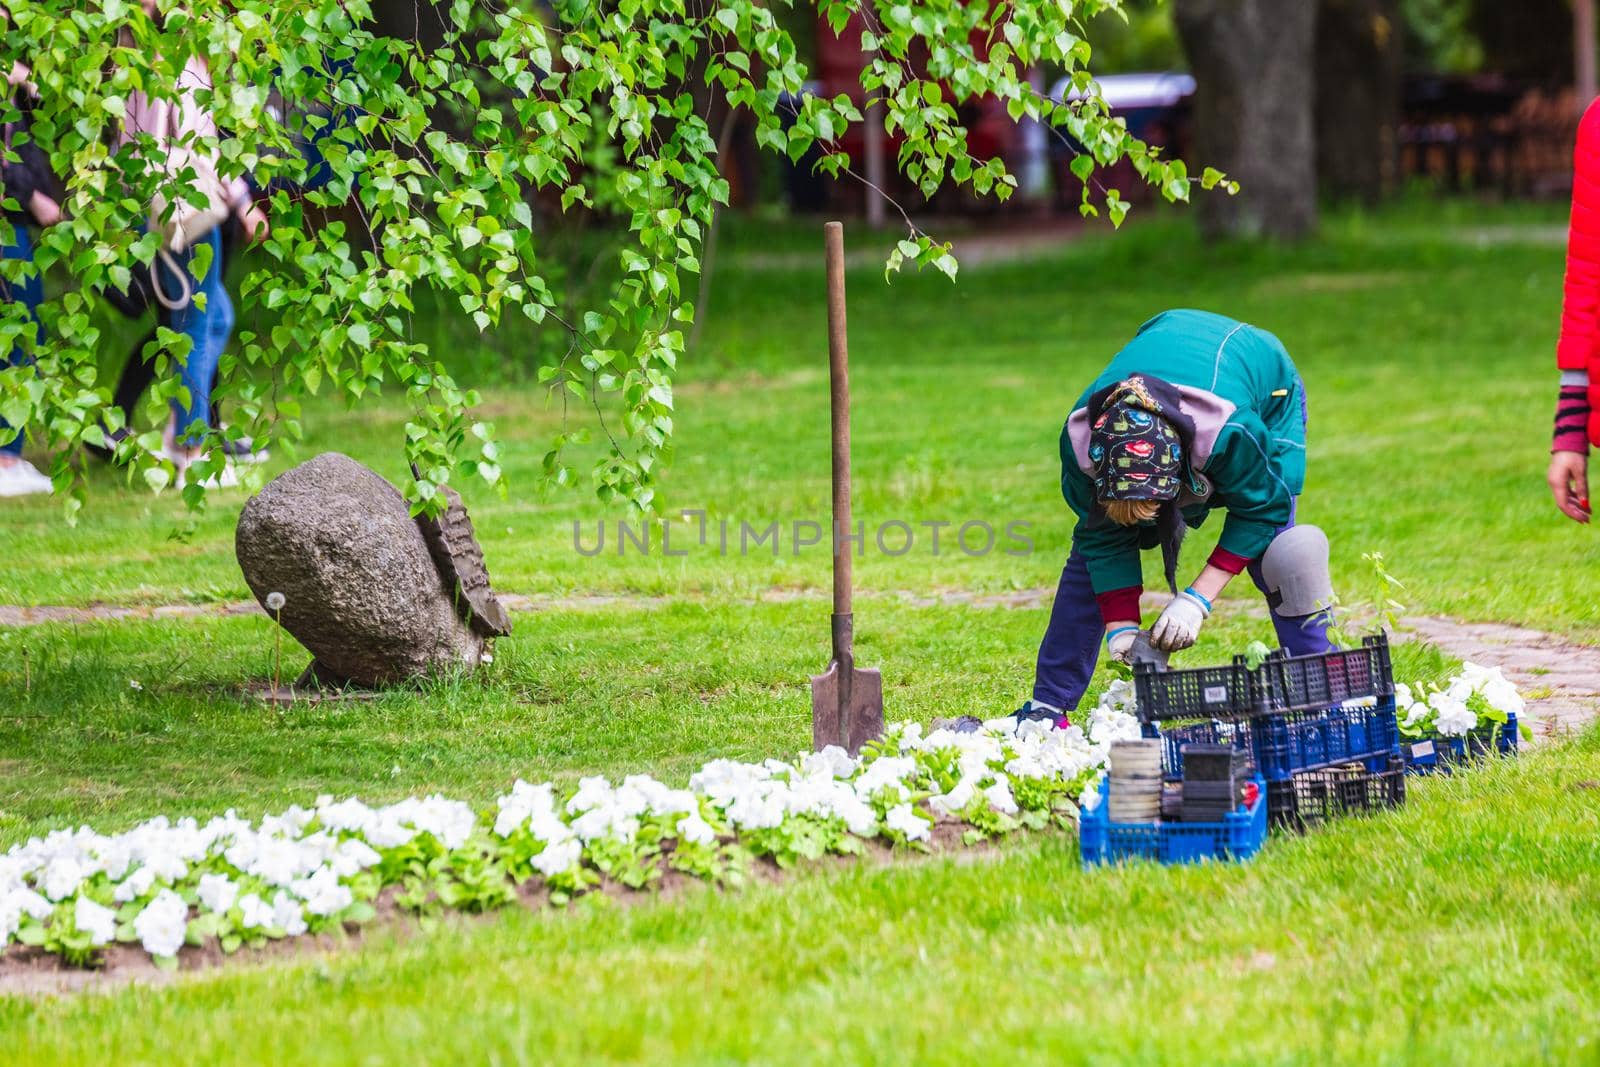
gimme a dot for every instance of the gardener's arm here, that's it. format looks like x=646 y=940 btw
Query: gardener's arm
x=1249 y=485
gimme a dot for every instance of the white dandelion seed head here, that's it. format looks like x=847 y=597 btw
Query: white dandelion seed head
x=276 y=601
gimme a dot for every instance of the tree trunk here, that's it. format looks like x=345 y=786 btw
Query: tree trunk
x=1358 y=97
x=1253 y=65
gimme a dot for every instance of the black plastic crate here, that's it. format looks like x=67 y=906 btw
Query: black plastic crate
x=1310 y=798
x=1326 y=680
x=1194 y=693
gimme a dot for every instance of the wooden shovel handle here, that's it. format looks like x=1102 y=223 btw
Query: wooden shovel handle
x=839 y=391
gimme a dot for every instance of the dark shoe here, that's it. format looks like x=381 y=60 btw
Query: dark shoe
x=1029 y=714
x=243 y=450
x=961 y=724
x=113 y=439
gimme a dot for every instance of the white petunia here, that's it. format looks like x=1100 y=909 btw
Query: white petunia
x=63 y=876
x=288 y=915
x=902 y=819
x=1452 y=717
x=885 y=772
x=31 y=904
x=956 y=800
x=322 y=892
x=217 y=892
x=557 y=857
x=255 y=913
x=1000 y=798
x=832 y=761
x=96 y=920
x=694 y=829
x=163 y=924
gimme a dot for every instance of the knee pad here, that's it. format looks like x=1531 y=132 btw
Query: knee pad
x=1295 y=571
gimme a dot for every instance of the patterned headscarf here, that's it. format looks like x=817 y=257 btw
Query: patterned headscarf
x=1137 y=454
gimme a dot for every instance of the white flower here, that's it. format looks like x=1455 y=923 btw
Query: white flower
x=1452 y=717
x=163 y=924
x=956 y=800
x=96 y=920
x=1000 y=798
x=696 y=830
x=352 y=856
x=31 y=904
x=217 y=892
x=63 y=876
x=255 y=913
x=758 y=807
x=288 y=915
x=1416 y=715
x=557 y=857
x=276 y=601
x=322 y=892
x=885 y=772
x=133 y=683
x=906 y=822
x=832 y=761
x=593 y=792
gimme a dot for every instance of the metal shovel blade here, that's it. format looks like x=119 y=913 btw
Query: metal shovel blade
x=849 y=718
x=1144 y=652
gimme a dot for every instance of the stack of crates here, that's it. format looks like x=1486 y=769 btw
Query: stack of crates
x=1320 y=729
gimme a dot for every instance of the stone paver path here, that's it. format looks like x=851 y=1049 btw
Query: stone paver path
x=1560 y=680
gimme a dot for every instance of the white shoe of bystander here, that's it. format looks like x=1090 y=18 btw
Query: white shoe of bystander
x=23 y=479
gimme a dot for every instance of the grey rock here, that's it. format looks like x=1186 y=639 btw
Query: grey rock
x=362 y=592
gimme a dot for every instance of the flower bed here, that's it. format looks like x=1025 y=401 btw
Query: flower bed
x=236 y=883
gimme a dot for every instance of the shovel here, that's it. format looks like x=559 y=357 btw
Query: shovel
x=846 y=701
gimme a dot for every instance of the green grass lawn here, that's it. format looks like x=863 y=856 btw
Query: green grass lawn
x=1463 y=928
x=1428 y=356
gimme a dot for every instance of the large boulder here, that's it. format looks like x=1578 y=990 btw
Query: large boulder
x=361 y=590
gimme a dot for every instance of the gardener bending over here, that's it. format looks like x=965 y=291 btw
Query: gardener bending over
x=1197 y=413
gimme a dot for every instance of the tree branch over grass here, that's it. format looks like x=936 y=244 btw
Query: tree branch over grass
x=460 y=156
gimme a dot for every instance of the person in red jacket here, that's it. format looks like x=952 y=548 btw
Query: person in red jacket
x=1578 y=351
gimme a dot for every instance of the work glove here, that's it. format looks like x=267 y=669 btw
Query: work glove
x=1119 y=642
x=1179 y=626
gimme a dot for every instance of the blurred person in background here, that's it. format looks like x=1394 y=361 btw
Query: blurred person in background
x=1576 y=351
x=25 y=178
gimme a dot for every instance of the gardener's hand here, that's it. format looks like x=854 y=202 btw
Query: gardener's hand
x=1179 y=626
x=1569 y=481
x=1119 y=640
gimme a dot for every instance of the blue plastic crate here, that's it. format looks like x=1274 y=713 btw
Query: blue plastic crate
x=1281 y=746
x=1287 y=744
x=1238 y=837
x=1215 y=732
x=1442 y=753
